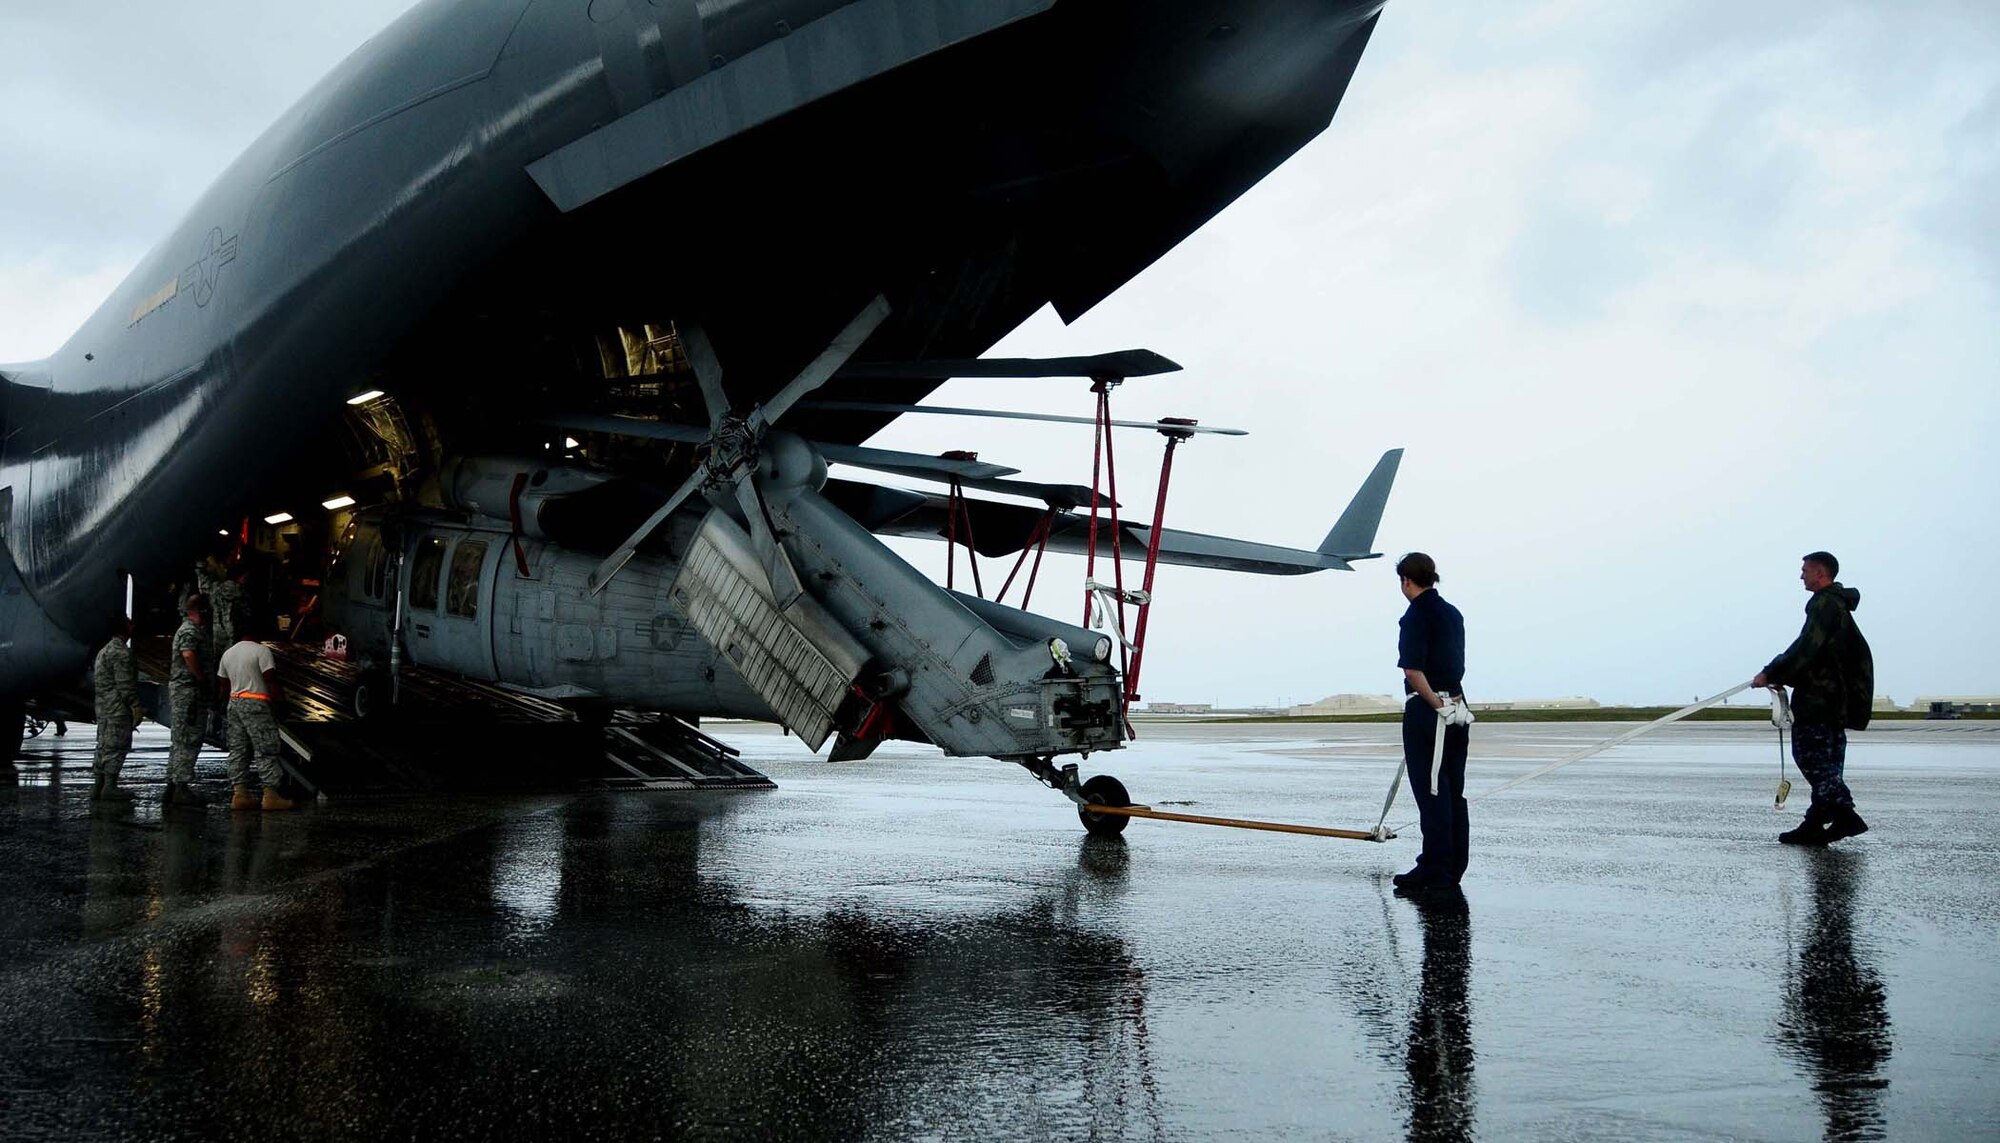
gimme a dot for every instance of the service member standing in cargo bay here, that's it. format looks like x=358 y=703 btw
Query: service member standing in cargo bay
x=250 y=670
x=115 y=677
x=191 y=686
x=1431 y=651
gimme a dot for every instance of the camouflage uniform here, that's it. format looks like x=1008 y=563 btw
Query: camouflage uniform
x=225 y=604
x=1831 y=671
x=205 y=583
x=191 y=701
x=253 y=733
x=117 y=681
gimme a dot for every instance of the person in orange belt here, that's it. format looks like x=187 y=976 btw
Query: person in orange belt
x=251 y=673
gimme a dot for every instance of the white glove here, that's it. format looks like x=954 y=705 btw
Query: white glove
x=1781 y=710
x=1455 y=711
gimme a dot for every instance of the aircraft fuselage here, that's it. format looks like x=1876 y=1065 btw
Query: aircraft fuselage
x=1044 y=157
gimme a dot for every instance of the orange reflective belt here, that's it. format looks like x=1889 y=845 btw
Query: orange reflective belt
x=250 y=695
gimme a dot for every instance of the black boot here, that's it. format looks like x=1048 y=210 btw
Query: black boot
x=108 y=790
x=182 y=794
x=1811 y=831
x=1846 y=823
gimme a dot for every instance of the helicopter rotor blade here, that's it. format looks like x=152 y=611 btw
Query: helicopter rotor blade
x=1122 y=364
x=1009 y=415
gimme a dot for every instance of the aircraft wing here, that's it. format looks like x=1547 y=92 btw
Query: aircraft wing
x=1000 y=529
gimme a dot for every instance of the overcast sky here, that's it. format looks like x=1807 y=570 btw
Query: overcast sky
x=1657 y=297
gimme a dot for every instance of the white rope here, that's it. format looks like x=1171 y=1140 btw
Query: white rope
x=1579 y=755
x=1455 y=712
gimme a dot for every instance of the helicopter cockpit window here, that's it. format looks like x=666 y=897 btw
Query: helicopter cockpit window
x=462 y=594
x=424 y=571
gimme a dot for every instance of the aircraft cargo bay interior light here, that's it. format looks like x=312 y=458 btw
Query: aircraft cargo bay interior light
x=337 y=503
x=364 y=398
x=278 y=518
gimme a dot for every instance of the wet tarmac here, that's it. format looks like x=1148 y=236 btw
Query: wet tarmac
x=917 y=948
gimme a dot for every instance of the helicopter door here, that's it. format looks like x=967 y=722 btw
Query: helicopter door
x=462 y=634
x=420 y=625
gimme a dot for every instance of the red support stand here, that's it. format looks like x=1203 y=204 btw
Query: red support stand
x=1175 y=430
x=1104 y=463
x=1038 y=542
x=1103 y=491
x=956 y=506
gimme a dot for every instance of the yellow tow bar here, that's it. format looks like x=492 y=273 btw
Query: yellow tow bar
x=1235 y=823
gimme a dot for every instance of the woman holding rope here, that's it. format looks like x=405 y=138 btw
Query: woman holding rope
x=1431 y=651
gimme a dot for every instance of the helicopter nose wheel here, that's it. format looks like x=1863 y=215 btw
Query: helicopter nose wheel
x=1104 y=790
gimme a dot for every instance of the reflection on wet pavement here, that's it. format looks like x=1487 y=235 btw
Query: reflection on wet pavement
x=1836 y=1014
x=1439 y=1049
x=916 y=948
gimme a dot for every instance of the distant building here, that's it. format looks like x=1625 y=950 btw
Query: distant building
x=1962 y=704
x=1347 y=704
x=1180 y=708
x=1571 y=702
x=1885 y=704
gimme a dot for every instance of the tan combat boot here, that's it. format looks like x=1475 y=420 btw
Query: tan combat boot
x=273 y=800
x=242 y=799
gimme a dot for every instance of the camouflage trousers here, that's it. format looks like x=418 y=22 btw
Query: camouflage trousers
x=1820 y=752
x=114 y=741
x=190 y=708
x=253 y=734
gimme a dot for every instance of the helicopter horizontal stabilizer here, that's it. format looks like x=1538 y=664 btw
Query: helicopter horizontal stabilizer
x=1000 y=529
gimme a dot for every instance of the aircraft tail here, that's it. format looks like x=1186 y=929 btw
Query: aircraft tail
x=1353 y=535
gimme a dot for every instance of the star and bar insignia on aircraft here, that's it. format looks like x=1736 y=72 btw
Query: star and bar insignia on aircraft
x=199 y=277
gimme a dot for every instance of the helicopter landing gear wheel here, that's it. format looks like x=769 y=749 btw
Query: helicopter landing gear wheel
x=371 y=695
x=1104 y=790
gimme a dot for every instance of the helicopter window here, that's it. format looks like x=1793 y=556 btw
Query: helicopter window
x=424 y=571
x=375 y=581
x=462 y=593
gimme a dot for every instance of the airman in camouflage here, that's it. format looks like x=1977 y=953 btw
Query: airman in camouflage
x=228 y=600
x=251 y=672
x=117 y=685
x=191 y=685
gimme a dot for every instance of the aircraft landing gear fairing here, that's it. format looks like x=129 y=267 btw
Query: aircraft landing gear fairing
x=1100 y=790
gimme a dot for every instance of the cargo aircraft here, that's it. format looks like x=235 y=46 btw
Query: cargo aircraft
x=569 y=304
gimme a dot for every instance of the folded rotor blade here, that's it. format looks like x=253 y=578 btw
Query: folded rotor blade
x=614 y=562
x=1122 y=364
x=778 y=570
x=1055 y=495
x=1063 y=496
x=1005 y=415
x=630 y=427
x=707 y=372
x=912 y=463
x=829 y=360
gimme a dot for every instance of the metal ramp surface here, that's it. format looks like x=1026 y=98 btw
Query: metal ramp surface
x=661 y=752
x=453 y=735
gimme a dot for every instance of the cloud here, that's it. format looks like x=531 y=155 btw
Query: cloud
x=120 y=114
x=1657 y=296
x=1658 y=299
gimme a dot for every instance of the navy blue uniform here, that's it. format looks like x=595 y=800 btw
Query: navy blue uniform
x=1433 y=641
